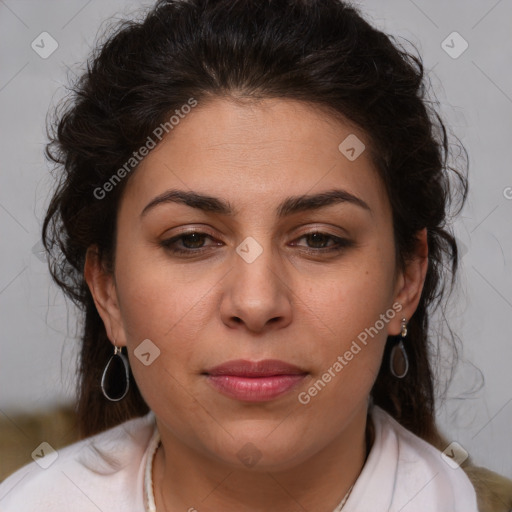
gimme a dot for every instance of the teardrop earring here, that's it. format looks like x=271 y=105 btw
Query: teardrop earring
x=398 y=361
x=115 y=380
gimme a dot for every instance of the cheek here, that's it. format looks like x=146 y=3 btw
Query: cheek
x=353 y=310
x=168 y=310
x=348 y=353
x=161 y=303
x=354 y=298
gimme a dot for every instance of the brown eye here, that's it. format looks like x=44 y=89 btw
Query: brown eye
x=324 y=242
x=187 y=243
x=193 y=240
x=318 y=240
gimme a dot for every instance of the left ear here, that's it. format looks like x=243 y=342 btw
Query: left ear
x=410 y=281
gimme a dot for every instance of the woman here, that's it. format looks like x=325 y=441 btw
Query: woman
x=251 y=217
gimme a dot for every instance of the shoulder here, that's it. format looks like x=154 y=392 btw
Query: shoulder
x=87 y=474
x=425 y=478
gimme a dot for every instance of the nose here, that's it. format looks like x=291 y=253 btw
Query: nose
x=256 y=294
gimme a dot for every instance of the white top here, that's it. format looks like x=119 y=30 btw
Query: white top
x=403 y=473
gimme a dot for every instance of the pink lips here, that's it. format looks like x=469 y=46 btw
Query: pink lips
x=257 y=381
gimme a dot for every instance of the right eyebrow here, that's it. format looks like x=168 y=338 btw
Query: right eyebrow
x=192 y=199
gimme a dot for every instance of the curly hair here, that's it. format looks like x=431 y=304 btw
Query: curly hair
x=318 y=51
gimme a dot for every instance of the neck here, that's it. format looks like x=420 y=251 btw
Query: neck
x=186 y=479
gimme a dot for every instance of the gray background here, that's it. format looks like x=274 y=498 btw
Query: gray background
x=37 y=346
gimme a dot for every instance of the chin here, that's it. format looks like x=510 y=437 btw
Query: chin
x=264 y=452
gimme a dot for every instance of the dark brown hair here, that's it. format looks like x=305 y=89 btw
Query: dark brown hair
x=318 y=51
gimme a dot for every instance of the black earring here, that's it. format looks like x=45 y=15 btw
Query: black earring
x=115 y=380
x=398 y=361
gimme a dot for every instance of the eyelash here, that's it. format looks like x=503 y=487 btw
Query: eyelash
x=341 y=243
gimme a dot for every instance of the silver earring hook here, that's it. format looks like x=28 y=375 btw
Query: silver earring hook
x=404 y=328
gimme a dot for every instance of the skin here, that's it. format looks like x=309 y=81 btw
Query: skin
x=288 y=304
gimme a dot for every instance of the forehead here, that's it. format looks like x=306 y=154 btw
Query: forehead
x=258 y=152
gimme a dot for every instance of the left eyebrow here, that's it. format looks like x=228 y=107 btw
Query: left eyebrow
x=302 y=203
x=289 y=206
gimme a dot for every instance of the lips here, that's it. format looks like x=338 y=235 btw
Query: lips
x=265 y=368
x=255 y=381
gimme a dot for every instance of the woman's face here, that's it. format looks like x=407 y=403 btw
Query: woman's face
x=255 y=284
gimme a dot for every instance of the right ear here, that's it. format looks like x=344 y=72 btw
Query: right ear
x=103 y=289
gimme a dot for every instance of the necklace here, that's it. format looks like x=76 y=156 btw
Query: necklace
x=149 y=497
